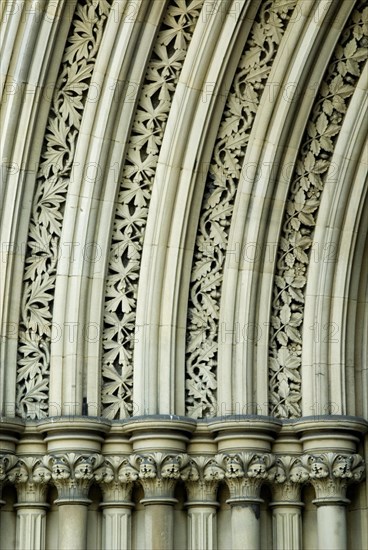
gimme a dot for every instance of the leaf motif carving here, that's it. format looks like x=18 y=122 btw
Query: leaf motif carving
x=296 y=239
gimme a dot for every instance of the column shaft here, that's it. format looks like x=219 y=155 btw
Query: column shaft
x=31 y=528
x=116 y=528
x=245 y=527
x=286 y=527
x=202 y=528
x=331 y=525
x=73 y=526
x=159 y=526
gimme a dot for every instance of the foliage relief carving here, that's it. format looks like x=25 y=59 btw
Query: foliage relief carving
x=302 y=206
x=218 y=201
x=139 y=170
x=55 y=171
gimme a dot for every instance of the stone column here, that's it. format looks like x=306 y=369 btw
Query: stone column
x=73 y=475
x=330 y=474
x=245 y=474
x=202 y=475
x=115 y=478
x=31 y=476
x=286 y=505
x=158 y=474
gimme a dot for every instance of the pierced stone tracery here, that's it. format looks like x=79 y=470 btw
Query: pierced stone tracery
x=131 y=214
x=217 y=206
x=55 y=171
x=300 y=217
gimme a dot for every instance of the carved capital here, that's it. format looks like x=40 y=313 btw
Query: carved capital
x=290 y=473
x=158 y=474
x=201 y=475
x=115 y=477
x=331 y=473
x=7 y=462
x=245 y=473
x=31 y=476
x=73 y=475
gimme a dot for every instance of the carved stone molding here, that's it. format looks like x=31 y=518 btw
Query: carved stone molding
x=331 y=473
x=73 y=475
x=31 y=476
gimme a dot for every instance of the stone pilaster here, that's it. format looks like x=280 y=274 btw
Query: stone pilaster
x=330 y=474
x=202 y=475
x=290 y=474
x=116 y=477
x=31 y=476
x=73 y=475
x=245 y=473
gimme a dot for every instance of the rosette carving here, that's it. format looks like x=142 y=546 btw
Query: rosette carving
x=302 y=206
x=218 y=202
x=55 y=171
x=130 y=220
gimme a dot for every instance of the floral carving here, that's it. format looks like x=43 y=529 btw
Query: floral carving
x=53 y=177
x=139 y=170
x=6 y=463
x=245 y=472
x=31 y=476
x=331 y=473
x=302 y=206
x=290 y=473
x=218 y=201
x=73 y=474
x=158 y=472
x=116 y=477
x=201 y=474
